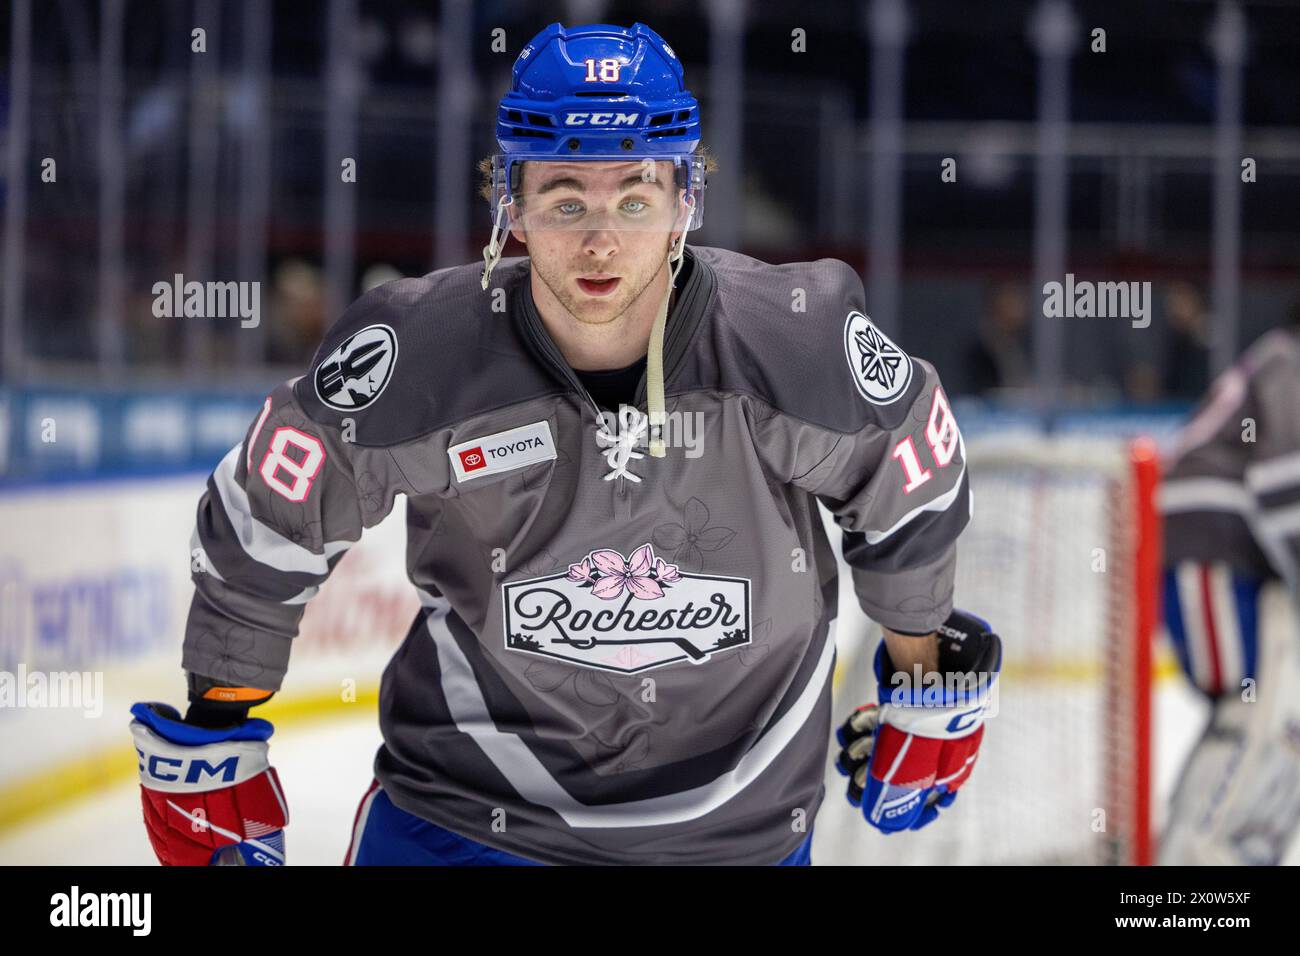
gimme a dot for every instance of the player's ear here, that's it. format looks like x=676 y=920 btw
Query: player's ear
x=516 y=222
x=682 y=219
x=514 y=211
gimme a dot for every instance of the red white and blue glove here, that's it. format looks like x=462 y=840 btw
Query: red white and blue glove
x=907 y=756
x=210 y=797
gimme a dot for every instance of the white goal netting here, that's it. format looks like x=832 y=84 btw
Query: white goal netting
x=1051 y=558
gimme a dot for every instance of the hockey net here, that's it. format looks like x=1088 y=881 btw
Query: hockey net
x=1061 y=557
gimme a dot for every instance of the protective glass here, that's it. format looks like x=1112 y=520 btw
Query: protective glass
x=658 y=194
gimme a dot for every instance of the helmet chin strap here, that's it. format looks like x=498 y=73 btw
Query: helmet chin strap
x=497 y=241
x=655 y=354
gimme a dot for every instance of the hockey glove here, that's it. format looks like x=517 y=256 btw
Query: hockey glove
x=908 y=755
x=209 y=795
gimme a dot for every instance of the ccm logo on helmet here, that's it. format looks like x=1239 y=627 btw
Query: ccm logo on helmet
x=602 y=119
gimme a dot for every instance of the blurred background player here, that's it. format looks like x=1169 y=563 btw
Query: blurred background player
x=1231 y=504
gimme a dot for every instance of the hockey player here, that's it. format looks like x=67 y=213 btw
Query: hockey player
x=626 y=640
x=1232 y=541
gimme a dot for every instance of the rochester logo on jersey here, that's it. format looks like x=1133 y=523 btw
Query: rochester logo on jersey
x=355 y=373
x=479 y=457
x=881 y=370
x=627 y=614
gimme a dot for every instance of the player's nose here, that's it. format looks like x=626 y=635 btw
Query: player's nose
x=601 y=243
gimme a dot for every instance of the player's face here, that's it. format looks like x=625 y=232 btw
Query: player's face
x=597 y=233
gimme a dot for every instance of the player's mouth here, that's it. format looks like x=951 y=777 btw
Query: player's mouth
x=598 y=283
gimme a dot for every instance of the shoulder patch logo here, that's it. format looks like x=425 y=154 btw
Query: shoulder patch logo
x=881 y=370
x=355 y=373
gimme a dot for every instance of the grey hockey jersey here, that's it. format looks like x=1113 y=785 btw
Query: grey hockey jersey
x=1231 y=492
x=618 y=658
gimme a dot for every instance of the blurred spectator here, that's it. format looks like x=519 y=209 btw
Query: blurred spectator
x=999 y=357
x=378 y=274
x=297 y=313
x=1187 y=353
x=1142 y=383
x=150 y=339
x=765 y=222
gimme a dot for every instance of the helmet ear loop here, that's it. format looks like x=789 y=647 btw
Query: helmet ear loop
x=497 y=241
x=678 y=245
x=654 y=356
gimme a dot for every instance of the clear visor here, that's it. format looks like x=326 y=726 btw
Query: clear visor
x=655 y=194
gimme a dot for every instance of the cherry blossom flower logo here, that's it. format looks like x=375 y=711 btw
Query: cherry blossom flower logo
x=688 y=541
x=608 y=574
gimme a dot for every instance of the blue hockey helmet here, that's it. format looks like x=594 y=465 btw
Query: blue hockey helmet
x=600 y=93
x=598 y=89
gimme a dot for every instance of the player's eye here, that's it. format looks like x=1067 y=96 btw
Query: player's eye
x=569 y=208
x=639 y=205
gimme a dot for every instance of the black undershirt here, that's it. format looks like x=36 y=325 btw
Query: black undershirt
x=613 y=387
x=617 y=386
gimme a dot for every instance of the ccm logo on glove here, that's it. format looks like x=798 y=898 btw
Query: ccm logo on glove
x=907 y=756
